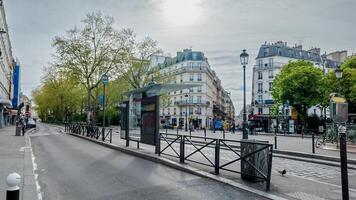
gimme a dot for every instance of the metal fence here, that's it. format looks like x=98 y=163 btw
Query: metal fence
x=255 y=157
x=331 y=134
x=99 y=133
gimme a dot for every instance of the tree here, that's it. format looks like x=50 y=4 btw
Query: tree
x=348 y=84
x=298 y=83
x=58 y=96
x=140 y=72
x=93 y=50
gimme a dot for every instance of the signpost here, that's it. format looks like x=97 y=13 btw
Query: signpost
x=105 y=81
x=338 y=113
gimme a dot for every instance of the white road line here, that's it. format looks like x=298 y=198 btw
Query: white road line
x=34 y=170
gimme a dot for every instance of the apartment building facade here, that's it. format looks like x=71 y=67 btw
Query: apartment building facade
x=269 y=62
x=198 y=106
x=7 y=64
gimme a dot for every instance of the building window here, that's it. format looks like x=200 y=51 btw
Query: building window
x=266 y=51
x=259 y=99
x=191 y=90
x=270 y=73
x=279 y=52
x=270 y=85
x=199 y=77
x=199 y=99
x=260 y=87
x=260 y=64
x=191 y=99
x=260 y=75
x=191 y=77
x=191 y=65
x=199 y=89
x=199 y=111
x=169 y=111
x=260 y=111
x=270 y=63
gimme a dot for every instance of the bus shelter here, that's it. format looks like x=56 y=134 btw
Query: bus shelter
x=140 y=119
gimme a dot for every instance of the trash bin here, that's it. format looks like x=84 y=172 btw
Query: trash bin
x=18 y=131
x=259 y=160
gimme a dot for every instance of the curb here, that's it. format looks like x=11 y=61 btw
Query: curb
x=182 y=167
x=312 y=156
x=316 y=161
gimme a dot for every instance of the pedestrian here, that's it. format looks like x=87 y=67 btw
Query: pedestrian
x=23 y=125
x=251 y=127
x=233 y=127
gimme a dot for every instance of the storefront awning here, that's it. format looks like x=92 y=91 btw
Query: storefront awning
x=5 y=102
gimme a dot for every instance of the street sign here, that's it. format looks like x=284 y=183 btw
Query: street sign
x=104 y=79
x=101 y=99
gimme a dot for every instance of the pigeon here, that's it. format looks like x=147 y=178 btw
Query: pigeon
x=283 y=172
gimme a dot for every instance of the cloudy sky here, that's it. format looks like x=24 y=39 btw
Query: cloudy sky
x=220 y=28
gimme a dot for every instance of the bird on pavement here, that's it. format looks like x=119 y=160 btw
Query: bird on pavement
x=283 y=172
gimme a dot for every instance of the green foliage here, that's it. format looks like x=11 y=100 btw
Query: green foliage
x=348 y=84
x=299 y=84
x=275 y=109
x=58 y=97
x=72 y=83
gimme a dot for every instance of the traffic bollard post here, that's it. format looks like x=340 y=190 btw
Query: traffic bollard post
x=13 y=190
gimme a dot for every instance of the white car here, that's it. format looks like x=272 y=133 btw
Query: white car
x=31 y=123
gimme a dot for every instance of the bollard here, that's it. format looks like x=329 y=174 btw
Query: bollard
x=313 y=142
x=13 y=190
x=343 y=163
x=224 y=134
x=275 y=140
x=177 y=130
x=190 y=132
x=205 y=134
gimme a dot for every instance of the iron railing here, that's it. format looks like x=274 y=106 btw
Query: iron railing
x=207 y=152
x=331 y=133
x=98 y=133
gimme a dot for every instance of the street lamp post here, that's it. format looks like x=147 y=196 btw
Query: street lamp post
x=104 y=80
x=244 y=62
x=338 y=73
x=186 y=112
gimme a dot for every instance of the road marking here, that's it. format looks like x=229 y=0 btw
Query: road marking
x=39 y=193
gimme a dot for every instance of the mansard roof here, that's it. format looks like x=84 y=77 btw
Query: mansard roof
x=269 y=50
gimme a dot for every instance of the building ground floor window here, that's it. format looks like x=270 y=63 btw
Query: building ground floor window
x=195 y=122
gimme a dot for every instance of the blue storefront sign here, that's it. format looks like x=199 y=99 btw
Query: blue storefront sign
x=16 y=79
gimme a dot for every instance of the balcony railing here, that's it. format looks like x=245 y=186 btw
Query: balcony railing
x=192 y=103
x=267 y=102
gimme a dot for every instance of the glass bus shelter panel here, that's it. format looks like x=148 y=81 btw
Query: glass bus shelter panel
x=135 y=115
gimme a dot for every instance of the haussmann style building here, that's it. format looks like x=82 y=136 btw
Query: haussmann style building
x=199 y=106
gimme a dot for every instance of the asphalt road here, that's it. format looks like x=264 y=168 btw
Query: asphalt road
x=71 y=168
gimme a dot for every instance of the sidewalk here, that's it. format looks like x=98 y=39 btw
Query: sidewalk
x=293 y=143
x=15 y=156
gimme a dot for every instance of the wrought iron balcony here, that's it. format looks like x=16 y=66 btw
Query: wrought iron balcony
x=192 y=103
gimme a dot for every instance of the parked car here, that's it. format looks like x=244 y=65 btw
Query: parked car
x=31 y=123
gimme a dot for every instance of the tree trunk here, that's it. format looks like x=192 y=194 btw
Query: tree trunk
x=88 y=106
